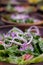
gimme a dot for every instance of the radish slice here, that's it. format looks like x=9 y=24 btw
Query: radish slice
x=27 y=57
x=1 y=42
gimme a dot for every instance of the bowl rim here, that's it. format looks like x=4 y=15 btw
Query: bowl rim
x=28 y=6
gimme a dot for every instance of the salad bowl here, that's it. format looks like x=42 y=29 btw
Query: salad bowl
x=19 y=8
x=5 y=29
x=20 y=20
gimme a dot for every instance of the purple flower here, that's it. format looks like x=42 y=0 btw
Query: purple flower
x=13 y=34
x=24 y=47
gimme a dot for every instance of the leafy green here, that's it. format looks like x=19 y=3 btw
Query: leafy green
x=29 y=21
x=14 y=54
x=35 y=42
x=41 y=45
x=2 y=59
x=37 y=59
x=9 y=38
x=1 y=47
x=6 y=41
x=13 y=20
x=19 y=41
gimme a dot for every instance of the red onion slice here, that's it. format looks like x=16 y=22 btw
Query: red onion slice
x=34 y=28
x=31 y=37
x=17 y=30
x=19 y=38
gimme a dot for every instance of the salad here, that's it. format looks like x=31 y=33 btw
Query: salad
x=20 y=47
x=20 y=18
x=20 y=9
